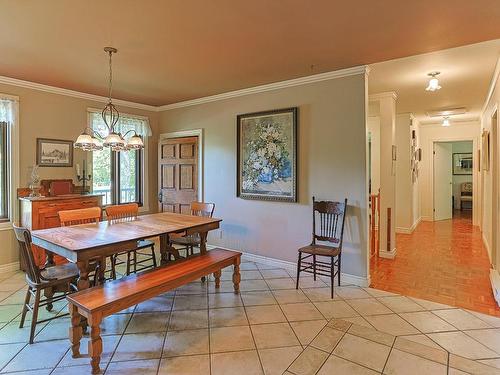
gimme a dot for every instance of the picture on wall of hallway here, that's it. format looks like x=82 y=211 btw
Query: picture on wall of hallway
x=267 y=155
x=462 y=163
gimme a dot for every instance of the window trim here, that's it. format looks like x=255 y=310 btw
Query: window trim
x=143 y=159
x=13 y=164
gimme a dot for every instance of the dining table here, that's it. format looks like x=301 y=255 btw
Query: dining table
x=84 y=243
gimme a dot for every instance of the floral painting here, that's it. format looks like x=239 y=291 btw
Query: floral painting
x=267 y=155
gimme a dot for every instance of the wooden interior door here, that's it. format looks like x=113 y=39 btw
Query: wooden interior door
x=177 y=174
x=443 y=184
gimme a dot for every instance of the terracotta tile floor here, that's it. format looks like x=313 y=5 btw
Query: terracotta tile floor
x=443 y=261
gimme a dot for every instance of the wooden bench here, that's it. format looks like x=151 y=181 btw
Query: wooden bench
x=111 y=297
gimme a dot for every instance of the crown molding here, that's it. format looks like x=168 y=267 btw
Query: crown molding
x=74 y=94
x=363 y=69
x=493 y=83
x=383 y=95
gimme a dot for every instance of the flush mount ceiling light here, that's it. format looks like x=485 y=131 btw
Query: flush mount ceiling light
x=446 y=121
x=90 y=140
x=433 y=82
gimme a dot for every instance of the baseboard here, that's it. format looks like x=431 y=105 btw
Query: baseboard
x=291 y=266
x=388 y=254
x=426 y=218
x=405 y=230
x=9 y=267
x=495 y=284
x=486 y=245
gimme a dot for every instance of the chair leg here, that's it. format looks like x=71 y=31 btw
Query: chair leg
x=113 y=266
x=49 y=294
x=128 y=263
x=25 y=307
x=338 y=269
x=135 y=261
x=298 y=269
x=332 y=274
x=314 y=266
x=154 y=256
x=34 y=318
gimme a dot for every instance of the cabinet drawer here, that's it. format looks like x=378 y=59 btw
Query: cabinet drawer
x=67 y=205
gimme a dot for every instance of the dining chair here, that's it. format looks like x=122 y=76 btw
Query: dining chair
x=87 y=216
x=465 y=194
x=55 y=279
x=188 y=242
x=329 y=232
x=129 y=211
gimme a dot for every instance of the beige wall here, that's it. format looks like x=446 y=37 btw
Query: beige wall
x=331 y=165
x=46 y=115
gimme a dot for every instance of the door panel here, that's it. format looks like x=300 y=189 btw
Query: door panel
x=178 y=174
x=443 y=183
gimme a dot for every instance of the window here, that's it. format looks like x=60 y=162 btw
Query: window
x=119 y=175
x=8 y=114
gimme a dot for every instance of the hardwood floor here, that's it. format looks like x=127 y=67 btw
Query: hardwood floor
x=443 y=261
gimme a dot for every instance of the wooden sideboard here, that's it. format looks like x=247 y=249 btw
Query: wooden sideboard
x=42 y=213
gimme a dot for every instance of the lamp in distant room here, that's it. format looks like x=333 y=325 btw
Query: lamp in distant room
x=433 y=82
x=446 y=121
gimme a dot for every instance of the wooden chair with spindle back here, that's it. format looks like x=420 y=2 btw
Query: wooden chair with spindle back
x=331 y=217
x=58 y=279
x=91 y=215
x=129 y=211
x=190 y=241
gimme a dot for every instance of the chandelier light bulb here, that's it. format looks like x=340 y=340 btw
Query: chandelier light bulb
x=433 y=82
x=446 y=121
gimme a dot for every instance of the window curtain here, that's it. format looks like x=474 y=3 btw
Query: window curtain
x=125 y=123
x=7 y=110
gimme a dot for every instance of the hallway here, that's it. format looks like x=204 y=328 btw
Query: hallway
x=443 y=261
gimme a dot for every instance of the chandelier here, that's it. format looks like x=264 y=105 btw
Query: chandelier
x=90 y=139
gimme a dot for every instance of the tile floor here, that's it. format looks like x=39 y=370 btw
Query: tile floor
x=270 y=328
x=443 y=261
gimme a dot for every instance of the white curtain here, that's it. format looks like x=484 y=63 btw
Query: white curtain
x=125 y=123
x=7 y=110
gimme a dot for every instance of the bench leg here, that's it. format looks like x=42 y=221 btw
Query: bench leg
x=75 y=331
x=95 y=344
x=236 y=275
x=217 y=275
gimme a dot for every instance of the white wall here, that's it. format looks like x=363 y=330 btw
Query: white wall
x=458 y=131
x=374 y=130
x=332 y=164
x=460 y=147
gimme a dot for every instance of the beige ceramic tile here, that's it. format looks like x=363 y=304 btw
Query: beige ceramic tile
x=487 y=337
x=180 y=320
x=461 y=319
x=244 y=362
x=265 y=314
x=400 y=304
x=359 y=320
x=354 y=292
x=227 y=316
x=368 y=306
x=471 y=367
x=276 y=360
x=307 y=330
x=274 y=335
x=327 y=339
x=189 y=365
x=301 y=311
x=190 y=302
x=285 y=283
x=491 y=362
x=196 y=287
x=339 y=366
x=309 y=282
x=433 y=353
x=335 y=309
x=139 y=346
x=308 y=362
x=148 y=367
x=188 y=342
x=37 y=356
x=290 y=296
x=320 y=294
x=249 y=275
x=7 y=352
x=147 y=322
x=427 y=322
x=225 y=339
x=160 y=303
x=363 y=351
x=109 y=344
x=274 y=273
x=224 y=300
x=493 y=321
x=391 y=323
x=429 y=305
x=340 y=324
x=258 y=298
x=460 y=344
x=371 y=334
x=379 y=293
x=254 y=285
x=400 y=362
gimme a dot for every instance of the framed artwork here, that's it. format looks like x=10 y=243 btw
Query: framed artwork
x=462 y=163
x=267 y=155
x=419 y=154
x=485 y=150
x=54 y=153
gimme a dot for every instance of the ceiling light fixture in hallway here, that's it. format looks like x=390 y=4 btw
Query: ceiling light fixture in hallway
x=433 y=82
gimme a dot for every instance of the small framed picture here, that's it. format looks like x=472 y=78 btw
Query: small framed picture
x=462 y=163
x=419 y=154
x=54 y=153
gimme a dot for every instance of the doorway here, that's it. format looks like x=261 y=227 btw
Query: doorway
x=453 y=190
x=495 y=190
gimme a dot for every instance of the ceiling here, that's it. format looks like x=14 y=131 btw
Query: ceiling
x=175 y=50
x=466 y=73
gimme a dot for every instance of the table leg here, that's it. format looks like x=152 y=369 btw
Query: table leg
x=75 y=331
x=217 y=275
x=83 y=280
x=49 y=259
x=236 y=275
x=203 y=242
x=102 y=270
x=95 y=344
x=166 y=249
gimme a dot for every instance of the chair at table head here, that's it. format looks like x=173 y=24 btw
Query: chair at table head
x=23 y=236
x=328 y=221
x=80 y=216
x=202 y=209
x=122 y=211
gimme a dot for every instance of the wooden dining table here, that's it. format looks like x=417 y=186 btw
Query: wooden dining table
x=82 y=243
